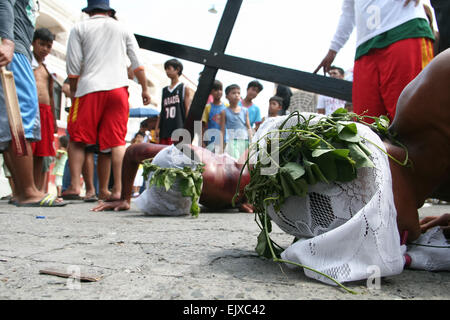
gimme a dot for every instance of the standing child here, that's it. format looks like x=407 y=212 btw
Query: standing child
x=211 y=118
x=60 y=163
x=254 y=114
x=176 y=100
x=237 y=124
x=42 y=45
x=275 y=107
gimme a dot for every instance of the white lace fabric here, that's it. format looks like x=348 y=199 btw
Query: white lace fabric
x=430 y=252
x=345 y=229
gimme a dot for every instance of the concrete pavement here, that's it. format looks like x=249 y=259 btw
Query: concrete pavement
x=141 y=257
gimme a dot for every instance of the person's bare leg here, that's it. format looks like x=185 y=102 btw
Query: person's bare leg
x=44 y=187
x=103 y=172
x=76 y=157
x=58 y=191
x=88 y=174
x=117 y=154
x=11 y=185
x=21 y=168
x=37 y=172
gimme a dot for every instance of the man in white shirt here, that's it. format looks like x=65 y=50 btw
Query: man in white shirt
x=97 y=54
x=394 y=43
x=327 y=105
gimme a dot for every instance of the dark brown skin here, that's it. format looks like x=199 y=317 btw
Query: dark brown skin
x=219 y=177
x=422 y=122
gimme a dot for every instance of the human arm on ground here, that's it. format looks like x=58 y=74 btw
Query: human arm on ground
x=134 y=155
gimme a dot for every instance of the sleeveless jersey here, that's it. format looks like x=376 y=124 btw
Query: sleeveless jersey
x=172 y=114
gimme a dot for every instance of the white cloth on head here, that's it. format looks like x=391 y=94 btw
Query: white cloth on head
x=156 y=200
x=344 y=228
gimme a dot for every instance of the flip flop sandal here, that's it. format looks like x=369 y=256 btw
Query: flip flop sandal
x=47 y=201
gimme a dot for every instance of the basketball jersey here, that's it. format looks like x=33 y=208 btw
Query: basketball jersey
x=172 y=114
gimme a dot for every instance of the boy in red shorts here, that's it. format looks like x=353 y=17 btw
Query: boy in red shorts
x=97 y=65
x=42 y=45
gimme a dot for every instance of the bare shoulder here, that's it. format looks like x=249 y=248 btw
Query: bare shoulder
x=425 y=103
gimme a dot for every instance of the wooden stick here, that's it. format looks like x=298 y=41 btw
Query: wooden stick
x=81 y=277
x=13 y=110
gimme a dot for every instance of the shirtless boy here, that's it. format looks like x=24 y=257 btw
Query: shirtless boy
x=42 y=45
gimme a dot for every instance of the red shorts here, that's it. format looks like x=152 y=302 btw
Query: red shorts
x=45 y=147
x=100 y=117
x=380 y=76
x=166 y=141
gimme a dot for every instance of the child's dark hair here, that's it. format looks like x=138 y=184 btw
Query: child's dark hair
x=217 y=85
x=139 y=134
x=176 y=64
x=43 y=34
x=341 y=71
x=231 y=87
x=64 y=141
x=277 y=99
x=256 y=84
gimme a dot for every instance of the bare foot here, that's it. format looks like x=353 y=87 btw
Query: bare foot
x=70 y=191
x=246 y=207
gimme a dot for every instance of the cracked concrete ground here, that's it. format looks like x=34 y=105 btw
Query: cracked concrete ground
x=142 y=257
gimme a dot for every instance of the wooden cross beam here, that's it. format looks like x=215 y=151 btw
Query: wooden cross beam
x=216 y=59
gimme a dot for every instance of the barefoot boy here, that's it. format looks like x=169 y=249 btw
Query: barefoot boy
x=42 y=45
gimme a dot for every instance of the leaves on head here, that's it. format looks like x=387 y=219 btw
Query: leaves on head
x=189 y=181
x=327 y=150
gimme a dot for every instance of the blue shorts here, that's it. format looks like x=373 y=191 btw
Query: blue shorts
x=28 y=101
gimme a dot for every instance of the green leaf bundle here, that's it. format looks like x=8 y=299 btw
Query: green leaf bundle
x=190 y=181
x=327 y=150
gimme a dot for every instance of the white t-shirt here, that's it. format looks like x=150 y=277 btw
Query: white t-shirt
x=329 y=104
x=372 y=17
x=98 y=51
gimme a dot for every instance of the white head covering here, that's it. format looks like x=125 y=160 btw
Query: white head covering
x=156 y=200
x=346 y=229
